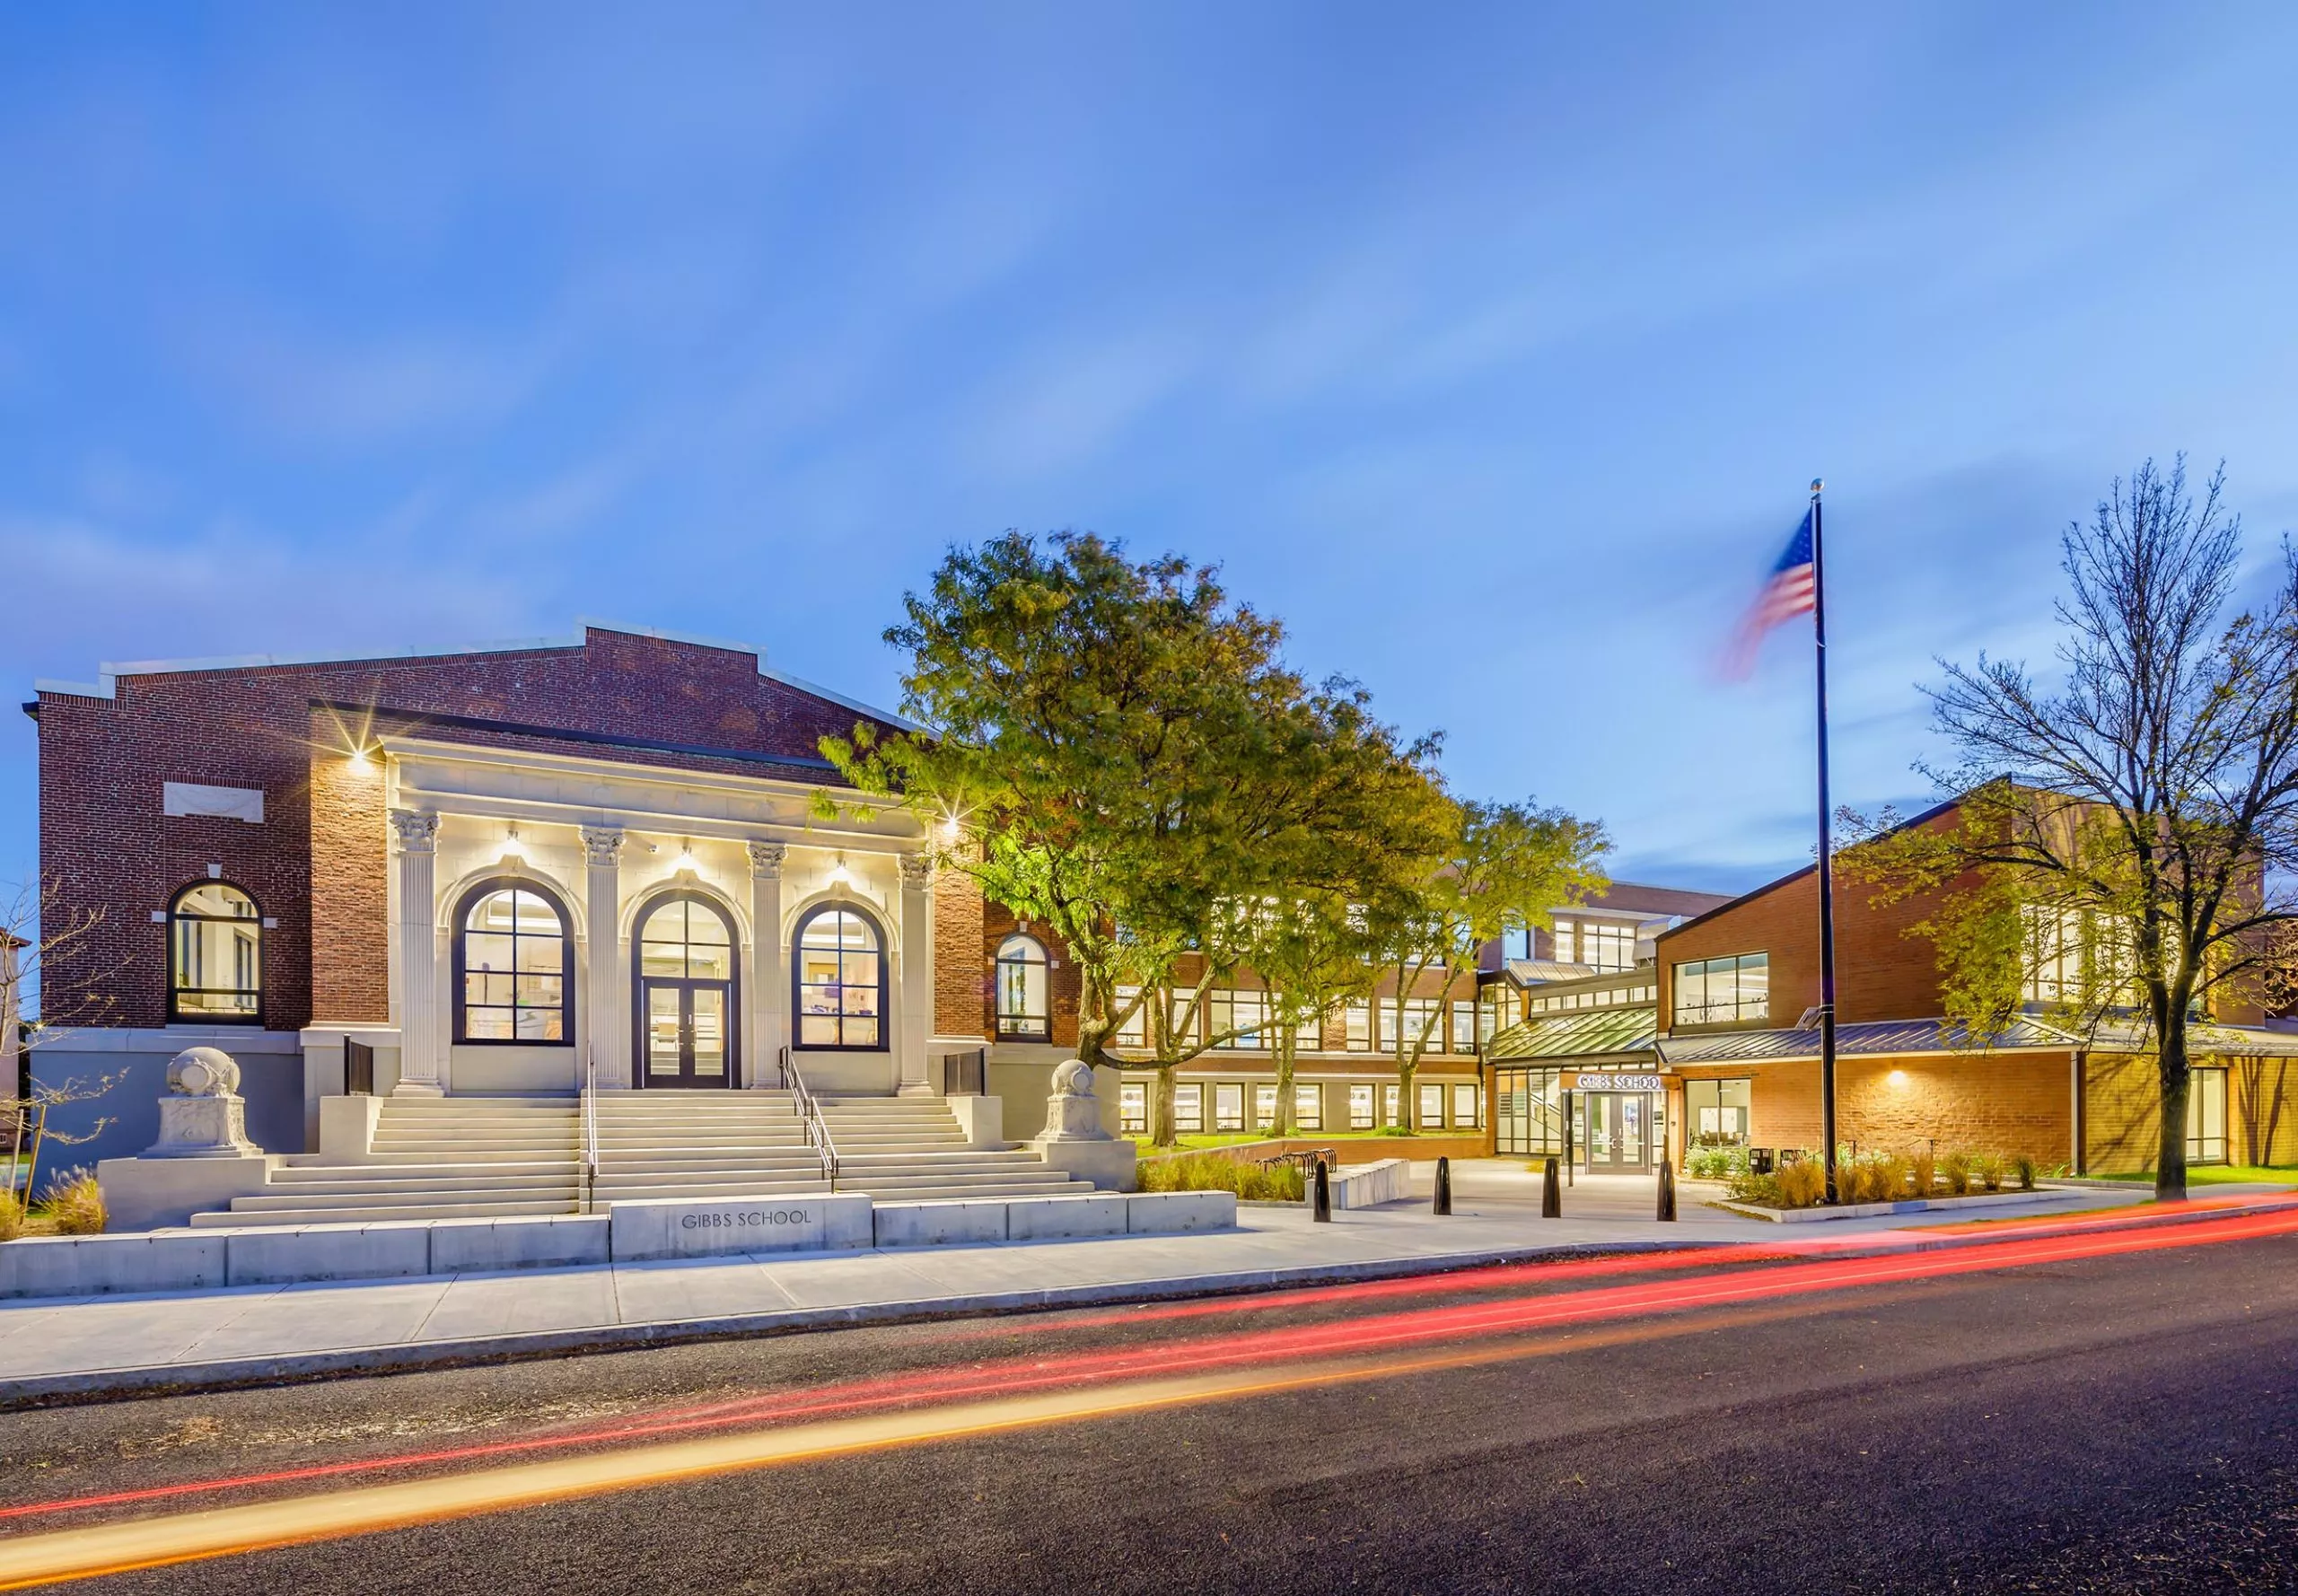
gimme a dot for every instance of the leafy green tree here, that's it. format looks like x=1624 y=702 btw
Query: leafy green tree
x=1501 y=865
x=1116 y=750
x=1315 y=953
x=1074 y=702
x=2121 y=850
x=1316 y=801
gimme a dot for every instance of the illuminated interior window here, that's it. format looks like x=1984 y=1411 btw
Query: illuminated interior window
x=215 y=956
x=513 y=964
x=1022 y=984
x=840 y=977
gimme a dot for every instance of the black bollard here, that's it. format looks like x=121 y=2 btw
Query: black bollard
x=1552 y=1192
x=1322 y=1211
x=1666 y=1191
x=1443 y=1186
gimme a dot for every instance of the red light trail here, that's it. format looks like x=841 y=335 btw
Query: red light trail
x=1690 y=1286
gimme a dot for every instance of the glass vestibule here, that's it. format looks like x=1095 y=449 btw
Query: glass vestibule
x=686 y=976
x=1528 y=1111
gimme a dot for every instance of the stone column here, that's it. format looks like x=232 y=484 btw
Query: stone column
x=421 y=1061
x=768 y=1019
x=917 y=976
x=609 y=1032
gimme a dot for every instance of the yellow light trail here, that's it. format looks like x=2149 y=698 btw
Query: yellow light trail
x=90 y=1552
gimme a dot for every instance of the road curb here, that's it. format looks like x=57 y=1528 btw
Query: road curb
x=165 y=1380
x=170 y=1380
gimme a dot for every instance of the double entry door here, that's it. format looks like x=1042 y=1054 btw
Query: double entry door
x=1619 y=1131
x=686 y=1032
x=686 y=974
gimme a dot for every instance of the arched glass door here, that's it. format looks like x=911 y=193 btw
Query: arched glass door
x=685 y=993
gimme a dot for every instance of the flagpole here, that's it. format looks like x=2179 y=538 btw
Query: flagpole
x=1826 y=860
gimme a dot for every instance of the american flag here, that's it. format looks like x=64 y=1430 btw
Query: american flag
x=1787 y=592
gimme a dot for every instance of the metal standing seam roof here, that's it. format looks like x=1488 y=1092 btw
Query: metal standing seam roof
x=1577 y=1033
x=1868 y=1037
x=2237 y=1041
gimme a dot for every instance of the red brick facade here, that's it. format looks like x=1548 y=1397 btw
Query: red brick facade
x=315 y=864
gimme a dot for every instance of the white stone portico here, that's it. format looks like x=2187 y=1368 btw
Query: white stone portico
x=609 y=839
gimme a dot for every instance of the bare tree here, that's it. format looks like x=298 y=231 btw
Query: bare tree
x=2130 y=831
x=51 y=981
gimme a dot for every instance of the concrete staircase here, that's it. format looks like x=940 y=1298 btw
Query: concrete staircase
x=903 y=1148
x=434 y=1158
x=659 y=1144
x=471 y=1157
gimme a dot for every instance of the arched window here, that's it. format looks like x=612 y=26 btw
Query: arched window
x=515 y=965
x=215 y=956
x=840 y=976
x=1022 y=1012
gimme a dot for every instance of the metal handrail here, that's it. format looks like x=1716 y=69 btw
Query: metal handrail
x=809 y=1110
x=590 y=1131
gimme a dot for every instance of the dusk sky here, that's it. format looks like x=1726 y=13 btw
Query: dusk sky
x=1492 y=349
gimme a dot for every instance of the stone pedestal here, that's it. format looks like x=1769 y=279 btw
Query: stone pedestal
x=1073 y=1141
x=203 y=1116
x=203 y=1128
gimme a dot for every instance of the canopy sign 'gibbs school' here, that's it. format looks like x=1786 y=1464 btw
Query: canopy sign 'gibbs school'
x=1794 y=587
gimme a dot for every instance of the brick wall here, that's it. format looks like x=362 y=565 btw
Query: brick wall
x=106 y=846
x=960 y=967
x=1882 y=972
x=350 y=894
x=1999 y=1103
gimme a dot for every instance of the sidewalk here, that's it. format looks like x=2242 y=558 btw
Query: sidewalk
x=56 y=1348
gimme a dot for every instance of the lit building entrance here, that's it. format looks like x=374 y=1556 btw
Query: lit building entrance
x=1619 y=1132
x=686 y=990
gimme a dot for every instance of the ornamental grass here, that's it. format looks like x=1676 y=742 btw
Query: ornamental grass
x=1955 y=1170
x=1803 y=1184
x=1210 y=1171
x=12 y=1217
x=75 y=1203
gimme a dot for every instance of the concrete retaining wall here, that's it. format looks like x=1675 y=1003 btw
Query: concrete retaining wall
x=629 y=1233
x=1387 y=1182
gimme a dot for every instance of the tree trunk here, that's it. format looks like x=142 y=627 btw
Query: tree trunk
x=1161 y=1114
x=1405 y=1072
x=2177 y=1079
x=2261 y=1109
x=1287 y=1039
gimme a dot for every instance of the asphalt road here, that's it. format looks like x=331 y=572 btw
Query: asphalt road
x=2115 y=1424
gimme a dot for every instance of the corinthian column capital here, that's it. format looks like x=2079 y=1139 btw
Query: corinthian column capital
x=417 y=830
x=602 y=845
x=766 y=860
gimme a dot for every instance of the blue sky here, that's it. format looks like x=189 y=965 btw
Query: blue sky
x=1491 y=347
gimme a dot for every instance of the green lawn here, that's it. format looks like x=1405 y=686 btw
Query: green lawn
x=1192 y=1143
x=2219 y=1174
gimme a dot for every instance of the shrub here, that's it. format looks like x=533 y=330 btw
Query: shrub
x=1890 y=1177
x=75 y=1202
x=1802 y=1184
x=2022 y=1169
x=1956 y=1169
x=1923 y=1174
x=12 y=1215
x=1986 y=1169
x=1852 y=1181
x=1209 y=1171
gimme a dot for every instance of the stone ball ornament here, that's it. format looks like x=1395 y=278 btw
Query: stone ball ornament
x=1074 y=1079
x=204 y=1072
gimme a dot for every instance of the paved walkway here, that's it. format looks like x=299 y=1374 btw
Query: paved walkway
x=54 y=1346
